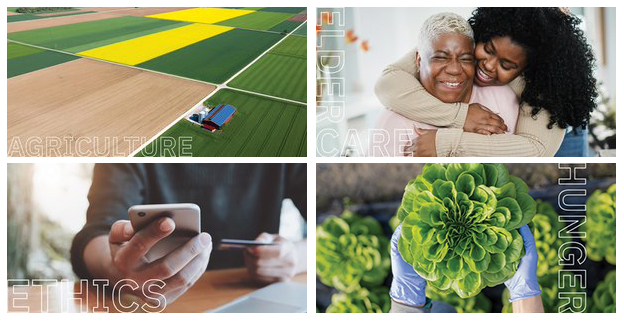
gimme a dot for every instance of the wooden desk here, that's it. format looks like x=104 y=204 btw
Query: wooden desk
x=213 y=289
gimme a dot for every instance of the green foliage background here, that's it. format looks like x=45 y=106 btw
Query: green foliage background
x=600 y=225
x=351 y=252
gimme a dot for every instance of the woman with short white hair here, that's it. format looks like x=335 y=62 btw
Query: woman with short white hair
x=437 y=24
x=446 y=69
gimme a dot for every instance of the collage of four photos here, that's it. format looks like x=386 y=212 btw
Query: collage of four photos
x=215 y=217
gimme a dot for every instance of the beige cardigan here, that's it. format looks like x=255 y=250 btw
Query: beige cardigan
x=399 y=90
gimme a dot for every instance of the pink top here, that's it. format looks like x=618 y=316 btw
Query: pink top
x=393 y=132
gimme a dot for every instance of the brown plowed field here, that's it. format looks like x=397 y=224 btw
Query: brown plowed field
x=102 y=9
x=92 y=108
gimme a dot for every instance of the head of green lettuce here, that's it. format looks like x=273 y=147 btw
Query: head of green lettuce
x=459 y=225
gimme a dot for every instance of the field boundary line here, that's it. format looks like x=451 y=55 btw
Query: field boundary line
x=113 y=63
x=221 y=86
x=165 y=74
x=265 y=95
x=201 y=101
x=216 y=24
x=261 y=55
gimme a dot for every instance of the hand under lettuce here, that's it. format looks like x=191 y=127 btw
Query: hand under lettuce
x=460 y=225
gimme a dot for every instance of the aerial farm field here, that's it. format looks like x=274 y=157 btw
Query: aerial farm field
x=94 y=13
x=106 y=75
x=217 y=58
x=262 y=127
x=302 y=31
x=26 y=16
x=84 y=103
x=24 y=59
x=259 y=20
x=78 y=37
x=281 y=72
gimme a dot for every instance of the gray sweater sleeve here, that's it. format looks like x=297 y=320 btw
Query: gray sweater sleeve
x=396 y=307
x=115 y=187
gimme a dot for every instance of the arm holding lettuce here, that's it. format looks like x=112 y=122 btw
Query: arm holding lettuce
x=408 y=288
x=523 y=287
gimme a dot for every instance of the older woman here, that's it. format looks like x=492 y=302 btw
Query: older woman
x=539 y=52
x=446 y=64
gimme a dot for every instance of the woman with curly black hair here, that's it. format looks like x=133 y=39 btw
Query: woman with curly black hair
x=539 y=52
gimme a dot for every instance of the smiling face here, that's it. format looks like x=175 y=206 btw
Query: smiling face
x=499 y=61
x=447 y=70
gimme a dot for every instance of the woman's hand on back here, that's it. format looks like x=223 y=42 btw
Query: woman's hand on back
x=423 y=145
x=481 y=120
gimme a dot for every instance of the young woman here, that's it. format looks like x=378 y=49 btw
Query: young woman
x=539 y=52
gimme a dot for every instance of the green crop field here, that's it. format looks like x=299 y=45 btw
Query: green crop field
x=287 y=26
x=292 y=46
x=257 y=20
x=260 y=127
x=276 y=75
x=81 y=36
x=281 y=72
x=217 y=58
x=24 y=59
x=15 y=50
x=302 y=31
x=284 y=9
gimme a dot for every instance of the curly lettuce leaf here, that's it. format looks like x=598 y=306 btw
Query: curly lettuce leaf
x=460 y=225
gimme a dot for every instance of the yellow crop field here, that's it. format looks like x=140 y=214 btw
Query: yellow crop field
x=203 y=15
x=141 y=49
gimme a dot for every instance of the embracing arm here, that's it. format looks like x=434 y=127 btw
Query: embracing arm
x=532 y=138
x=399 y=90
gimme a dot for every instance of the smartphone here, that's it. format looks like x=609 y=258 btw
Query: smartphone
x=187 y=219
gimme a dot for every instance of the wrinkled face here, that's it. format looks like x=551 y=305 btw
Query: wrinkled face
x=499 y=61
x=447 y=69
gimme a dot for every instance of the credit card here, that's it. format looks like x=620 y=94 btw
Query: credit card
x=239 y=244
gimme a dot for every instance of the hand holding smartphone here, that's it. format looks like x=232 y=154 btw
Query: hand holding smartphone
x=187 y=219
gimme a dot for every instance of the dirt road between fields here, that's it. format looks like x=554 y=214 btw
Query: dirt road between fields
x=92 y=108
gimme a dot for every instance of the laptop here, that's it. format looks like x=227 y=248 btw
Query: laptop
x=281 y=297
